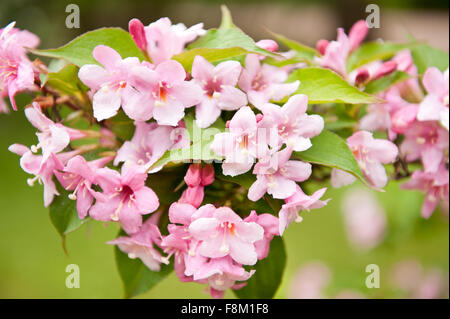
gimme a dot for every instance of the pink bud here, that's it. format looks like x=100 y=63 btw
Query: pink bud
x=193 y=196
x=259 y=117
x=207 y=175
x=357 y=34
x=268 y=45
x=227 y=124
x=193 y=175
x=362 y=76
x=322 y=46
x=385 y=69
x=136 y=29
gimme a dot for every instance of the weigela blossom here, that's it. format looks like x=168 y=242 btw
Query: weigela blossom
x=270 y=225
x=149 y=143
x=435 y=105
x=112 y=84
x=296 y=203
x=427 y=141
x=78 y=176
x=161 y=40
x=224 y=233
x=435 y=185
x=245 y=141
x=370 y=154
x=42 y=169
x=142 y=245
x=335 y=53
x=219 y=86
x=16 y=70
x=53 y=137
x=293 y=125
x=278 y=176
x=125 y=198
x=264 y=82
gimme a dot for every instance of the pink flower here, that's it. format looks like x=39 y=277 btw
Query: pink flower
x=161 y=40
x=78 y=176
x=264 y=83
x=277 y=177
x=42 y=169
x=16 y=70
x=299 y=201
x=245 y=141
x=168 y=92
x=434 y=184
x=114 y=85
x=218 y=83
x=427 y=141
x=226 y=234
x=125 y=197
x=294 y=126
x=365 y=219
x=270 y=225
x=142 y=245
x=149 y=143
x=371 y=154
x=197 y=177
x=435 y=105
x=222 y=274
x=53 y=137
x=335 y=53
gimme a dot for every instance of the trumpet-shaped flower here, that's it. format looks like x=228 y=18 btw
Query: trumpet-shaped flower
x=53 y=137
x=226 y=234
x=427 y=141
x=435 y=105
x=299 y=201
x=16 y=70
x=142 y=245
x=78 y=176
x=125 y=197
x=263 y=82
x=293 y=125
x=149 y=143
x=434 y=184
x=219 y=86
x=42 y=169
x=371 y=154
x=278 y=176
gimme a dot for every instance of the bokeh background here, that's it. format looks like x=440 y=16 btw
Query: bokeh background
x=32 y=261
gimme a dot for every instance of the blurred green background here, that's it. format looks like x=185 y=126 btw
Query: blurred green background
x=32 y=261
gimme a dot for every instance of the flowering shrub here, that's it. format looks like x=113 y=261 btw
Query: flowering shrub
x=199 y=143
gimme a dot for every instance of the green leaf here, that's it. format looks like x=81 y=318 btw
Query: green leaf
x=200 y=149
x=66 y=81
x=304 y=52
x=325 y=86
x=385 y=82
x=210 y=54
x=79 y=51
x=372 y=51
x=330 y=150
x=136 y=277
x=63 y=213
x=64 y=216
x=425 y=56
x=228 y=36
x=269 y=272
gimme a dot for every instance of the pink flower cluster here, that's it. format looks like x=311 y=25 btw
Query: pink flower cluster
x=16 y=70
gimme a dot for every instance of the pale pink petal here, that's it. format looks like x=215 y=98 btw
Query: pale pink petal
x=206 y=113
x=106 y=104
x=107 y=56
